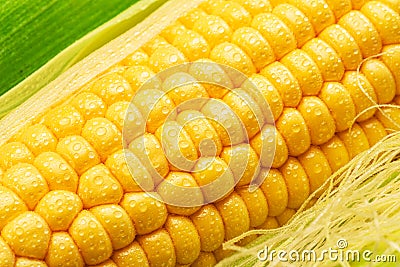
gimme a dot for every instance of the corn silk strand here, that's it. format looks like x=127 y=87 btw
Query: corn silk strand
x=361 y=206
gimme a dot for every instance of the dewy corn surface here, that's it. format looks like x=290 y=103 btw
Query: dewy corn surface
x=150 y=165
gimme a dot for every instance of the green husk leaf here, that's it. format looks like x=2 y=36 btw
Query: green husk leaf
x=75 y=52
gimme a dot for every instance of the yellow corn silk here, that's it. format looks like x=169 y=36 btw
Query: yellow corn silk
x=226 y=121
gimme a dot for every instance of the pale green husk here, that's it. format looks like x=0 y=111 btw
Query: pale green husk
x=362 y=207
x=76 y=52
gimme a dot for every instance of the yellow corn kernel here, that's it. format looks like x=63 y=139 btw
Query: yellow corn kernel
x=243 y=162
x=192 y=45
x=57 y=172
x=285 y=82
x=297 y=182
x=126 y=175
x=391 y=58
x=363 y=31
x=97 y=186
x=7 y=258
x=103 y=135
x=193 y=15
x=336 y=153
x=221 y=253
x=340 y=104
x=132 y=255
x=116 y=68
x=155 y=107
x=13 y=153
x=362 y=93
x=10 y=206
x=178 y=147
x=339 y=7
x=327 y=60
x=275 y=191
x=255 y=6
x=175 y=189
x=149 y=151
x=175 y=29
x=107 y=263
x=112 y=88
x=147 y=213
x=214 y=29
x=357 y=4
x=305 y=70
x=390 y=118
x=141 y=77
x=317 y=168
x=318 y=119
x=318 y=12
x=296 y=21
x=78 y=153
x=233 y=13
x=208 y=5
x=385 y=19
x=381 y=79
x=117 y=223
x=91 y=238
x=201 y=131
x=139 y=57
x=245 y=107
x=184 y=237
x=155 y=43
x=234 y=214
x=276 y=32
x=285 y=216
x=210 y=237
x=374 y=130
x=208 y=72
x=25 y=180
x=256 y=204
x=159 y=248
x=225 y=121
x=344 y=44
x=27 y=262
x=59 y=209
x=125 y=113
x=165 y=57
x=214 y=176
x=233 y=56
x=89 y=105
x=253 y=44
x=270 y=223
x=270 y=147
x=64 y=121
x=38 y=138
x=294 y=131
x=270 y=95
x=393 y=4
x=354 y=140
x=205 y=259
x=63 y=251
x=182 y=87
x=28 y=235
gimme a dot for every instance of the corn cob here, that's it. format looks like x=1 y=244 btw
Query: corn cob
x=69 y=198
